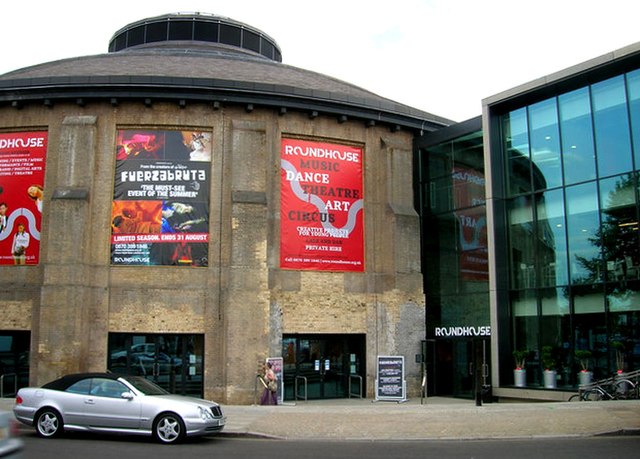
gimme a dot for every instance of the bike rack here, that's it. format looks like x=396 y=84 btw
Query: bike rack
x=304 y=378
x=359 y=380
x=632 y=376
x=15 y=383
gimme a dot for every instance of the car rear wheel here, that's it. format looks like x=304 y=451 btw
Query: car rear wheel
x=168 y=428
x=48 y=423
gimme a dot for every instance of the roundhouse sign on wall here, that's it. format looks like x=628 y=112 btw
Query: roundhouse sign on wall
x=321 y=219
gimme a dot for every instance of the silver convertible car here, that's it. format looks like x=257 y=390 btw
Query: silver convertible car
x=110 y=403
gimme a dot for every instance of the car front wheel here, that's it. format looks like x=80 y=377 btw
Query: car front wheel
x=48 y=423
x=168 y=428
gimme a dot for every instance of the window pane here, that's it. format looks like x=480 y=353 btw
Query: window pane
x=440 y=158
x=613 y=145
x=135 y=36
x=624 y=299
x=468 y=150
x=555 y=302
x=619 y=227
x=576 y=128
x=545 y=144
x=156 y=31
x=633 y=88
x=251 y=41
x=180 y=30
x=516 y=138
x=589 y=299
x=473 y=259
x=582 y=229
x=81 y=387
x=230 y=35
x=205 y=31
x=590 y=328
x=552 y=242
x=522 y=243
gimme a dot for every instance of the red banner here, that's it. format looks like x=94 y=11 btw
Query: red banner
x=321 y=206
x=22 y=164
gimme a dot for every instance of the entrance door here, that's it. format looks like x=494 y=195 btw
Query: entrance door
x=453 y=365
x=172 y=361
x=323 y=366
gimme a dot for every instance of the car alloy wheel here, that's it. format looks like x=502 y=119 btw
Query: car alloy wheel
x=169 y=428
x=49 y=423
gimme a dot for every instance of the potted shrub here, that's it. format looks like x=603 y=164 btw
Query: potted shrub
x=520 y=373
x=584 y=376
x=549 y=363
x=619 y=348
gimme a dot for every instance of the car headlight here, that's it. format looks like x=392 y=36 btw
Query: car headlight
x=205 y=414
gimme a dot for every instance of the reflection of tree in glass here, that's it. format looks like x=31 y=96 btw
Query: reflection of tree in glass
x=617 y=236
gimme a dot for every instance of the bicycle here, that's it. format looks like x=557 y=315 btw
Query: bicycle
x=616 y=389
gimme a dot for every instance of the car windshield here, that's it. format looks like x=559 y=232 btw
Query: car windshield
x=145 y=386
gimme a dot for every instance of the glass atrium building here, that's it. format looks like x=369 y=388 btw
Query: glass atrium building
x=544 y=268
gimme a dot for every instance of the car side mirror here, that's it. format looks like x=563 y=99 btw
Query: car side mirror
x=127 y=395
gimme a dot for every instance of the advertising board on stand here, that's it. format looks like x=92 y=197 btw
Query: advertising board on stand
x=390 y=382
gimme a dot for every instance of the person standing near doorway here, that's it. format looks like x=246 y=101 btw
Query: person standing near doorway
x=270 y=382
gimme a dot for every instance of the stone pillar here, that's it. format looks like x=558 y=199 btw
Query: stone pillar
x=247 y=305
x=64 y=316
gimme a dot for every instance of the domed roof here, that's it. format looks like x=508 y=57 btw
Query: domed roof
x=203 y=58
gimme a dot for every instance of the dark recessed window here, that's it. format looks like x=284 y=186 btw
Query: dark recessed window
x=205 y=31
x=156 y=32
x=251 y=41
x=268 y=49
x=119 y=43
x=230 y=35
x=135 y=36
x=180 y=30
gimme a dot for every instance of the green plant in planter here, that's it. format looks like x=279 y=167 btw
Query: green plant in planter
x=619 y=347
x=548 y=360
x=520 y=357
x=583 y=356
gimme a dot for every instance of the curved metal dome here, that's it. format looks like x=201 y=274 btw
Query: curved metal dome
x=202 y=58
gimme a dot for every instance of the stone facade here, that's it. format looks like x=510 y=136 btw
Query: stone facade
x=242 y=302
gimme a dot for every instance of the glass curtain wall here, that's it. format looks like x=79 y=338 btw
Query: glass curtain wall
x=455 y=230
x=454 y=257
x=572 y=227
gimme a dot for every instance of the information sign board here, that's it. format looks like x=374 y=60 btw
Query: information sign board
x=390 y=382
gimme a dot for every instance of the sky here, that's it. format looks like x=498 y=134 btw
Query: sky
x=440 y=56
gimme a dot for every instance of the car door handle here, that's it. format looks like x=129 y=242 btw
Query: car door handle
x=89 y=401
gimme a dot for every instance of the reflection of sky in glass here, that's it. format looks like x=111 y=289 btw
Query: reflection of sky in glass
x=545 y=143
x=551 y=228
x=611 y=122
x=576 y=127
x=582 y=224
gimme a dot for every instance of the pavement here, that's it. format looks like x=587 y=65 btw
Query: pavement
x=433 y=418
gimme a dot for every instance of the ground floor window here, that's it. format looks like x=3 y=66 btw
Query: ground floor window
x=173 y=361
x=580 y=329
x=324 y=366
x=14 y=361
